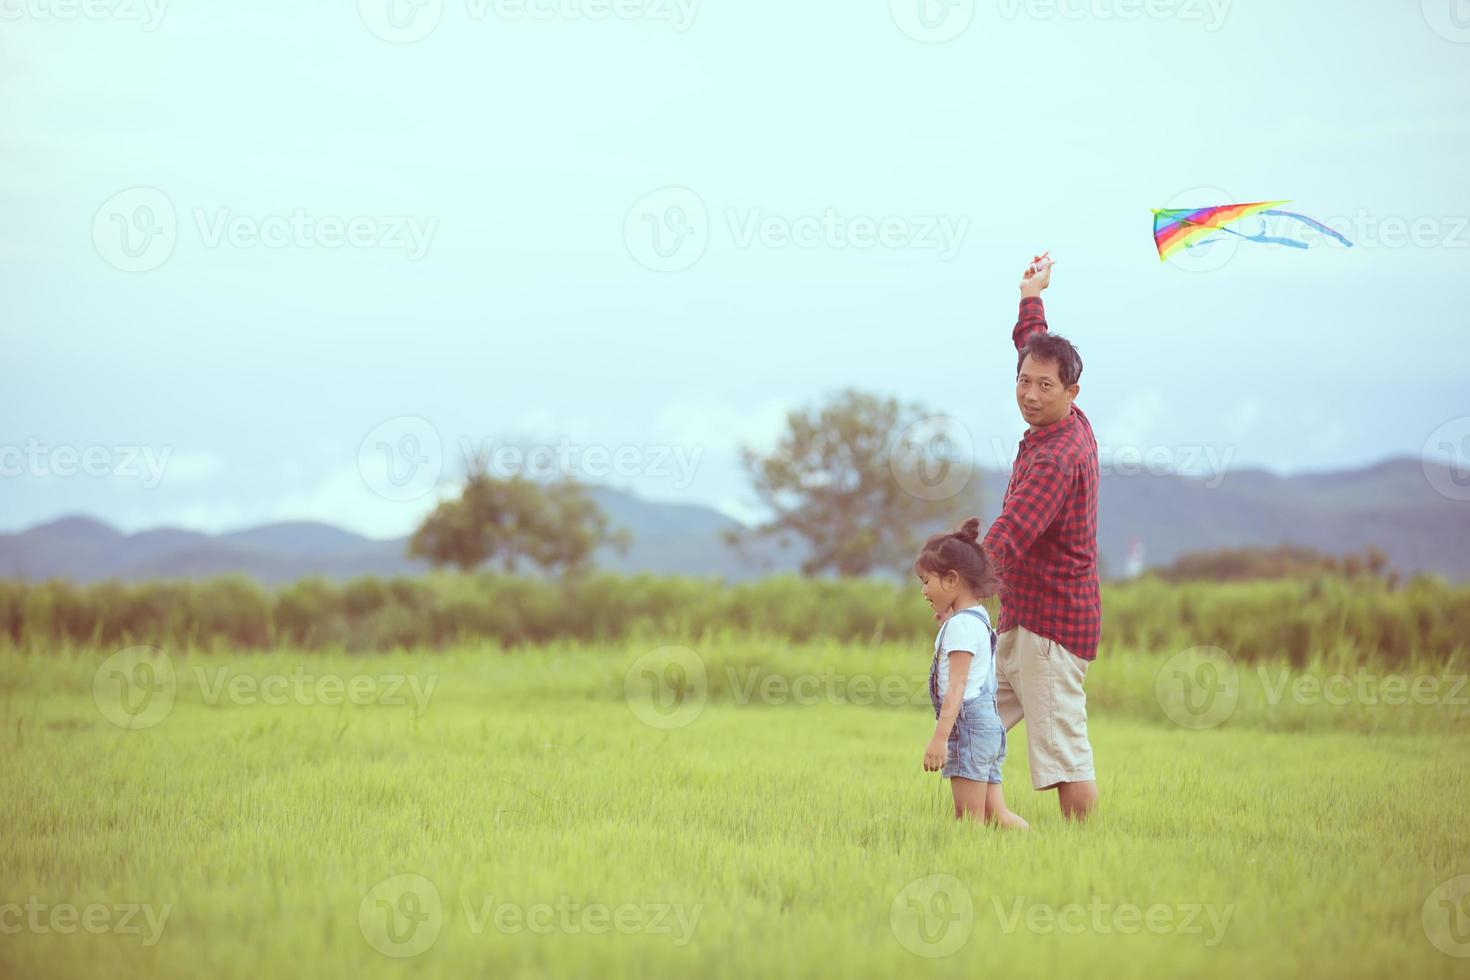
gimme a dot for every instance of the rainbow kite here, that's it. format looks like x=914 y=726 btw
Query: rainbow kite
x=1188 y=227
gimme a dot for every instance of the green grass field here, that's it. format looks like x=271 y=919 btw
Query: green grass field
x=570 y=812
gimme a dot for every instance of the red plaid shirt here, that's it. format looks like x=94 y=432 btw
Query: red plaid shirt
x=1044 y=543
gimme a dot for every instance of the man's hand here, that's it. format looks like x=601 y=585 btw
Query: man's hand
x=1032 y=283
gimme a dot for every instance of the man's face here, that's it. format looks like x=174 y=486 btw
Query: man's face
x=1040 y=395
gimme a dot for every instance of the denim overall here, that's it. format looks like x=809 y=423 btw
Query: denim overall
x=977 y=741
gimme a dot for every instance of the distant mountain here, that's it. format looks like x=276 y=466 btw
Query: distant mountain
x=666 y=538
x=1390 y=504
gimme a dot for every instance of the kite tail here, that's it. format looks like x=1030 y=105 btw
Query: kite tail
x=1313 y=223
x=1263 y=238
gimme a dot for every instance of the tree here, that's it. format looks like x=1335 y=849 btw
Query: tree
x=862 y=480
x=514 y=520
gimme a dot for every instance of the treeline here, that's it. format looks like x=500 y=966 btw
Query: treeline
x=1424 y=617
x=1282 y=561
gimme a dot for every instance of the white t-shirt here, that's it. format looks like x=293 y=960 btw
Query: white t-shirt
x=966 y=632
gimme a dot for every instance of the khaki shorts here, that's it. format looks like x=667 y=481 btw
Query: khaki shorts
x=1040 y=680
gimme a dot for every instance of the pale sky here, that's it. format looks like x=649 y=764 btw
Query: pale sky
x=244 y=242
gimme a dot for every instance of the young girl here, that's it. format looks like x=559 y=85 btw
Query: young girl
x=969 y=740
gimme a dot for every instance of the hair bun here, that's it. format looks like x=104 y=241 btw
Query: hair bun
x=969 y=530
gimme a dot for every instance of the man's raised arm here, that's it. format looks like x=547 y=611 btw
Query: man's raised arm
x=1033 y=313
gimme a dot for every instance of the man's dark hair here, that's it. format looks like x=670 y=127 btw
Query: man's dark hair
x=1047 y=346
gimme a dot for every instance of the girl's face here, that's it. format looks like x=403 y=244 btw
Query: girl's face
x=941 y=591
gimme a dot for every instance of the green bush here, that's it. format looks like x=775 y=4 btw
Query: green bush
x=1261 y=620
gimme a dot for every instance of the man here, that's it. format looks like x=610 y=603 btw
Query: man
x=1044 y=545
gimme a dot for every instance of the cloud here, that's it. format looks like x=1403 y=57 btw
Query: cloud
x=189 y=467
